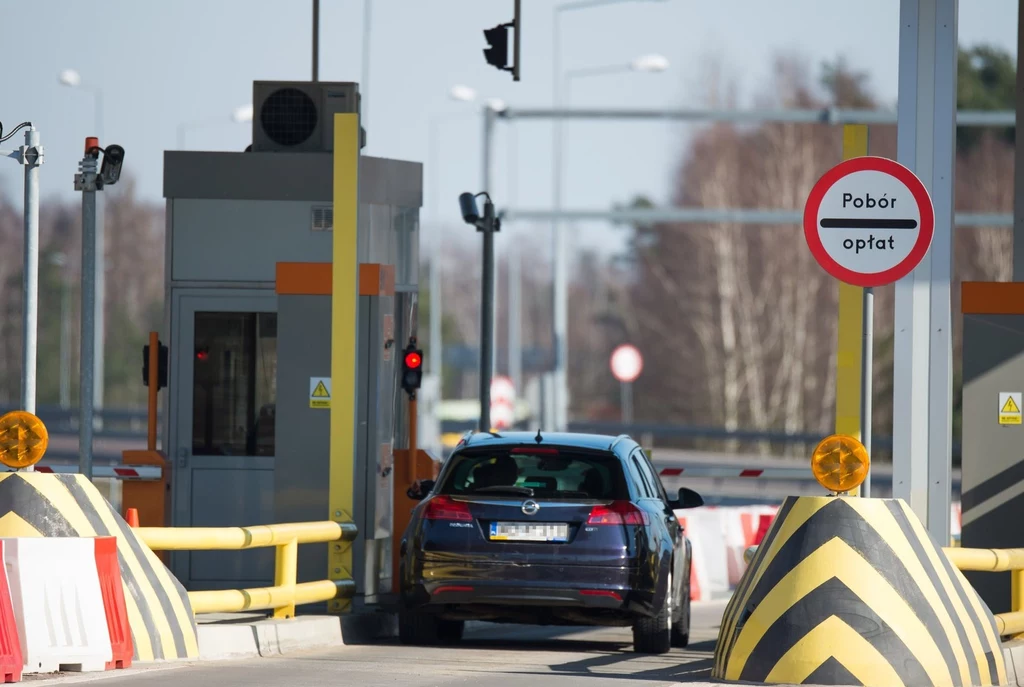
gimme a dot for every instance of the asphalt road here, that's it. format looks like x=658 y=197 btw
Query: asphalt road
x=495 y=655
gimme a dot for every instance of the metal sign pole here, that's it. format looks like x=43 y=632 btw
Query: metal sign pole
x=627 y=403
x=31 y=158
x=866 y=379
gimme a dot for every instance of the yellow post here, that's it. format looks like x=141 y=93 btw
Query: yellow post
x=851 y=326
x=285 y=564
x=344 y=302
x=1016 y=590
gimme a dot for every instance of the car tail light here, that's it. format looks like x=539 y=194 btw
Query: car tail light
x=601 y=592
x=444 y=508
x=618 y=513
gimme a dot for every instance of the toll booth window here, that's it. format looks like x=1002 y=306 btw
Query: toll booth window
x=234 y=384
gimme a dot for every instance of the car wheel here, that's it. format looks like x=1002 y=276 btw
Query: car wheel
x=681 y=628
x=653 y=635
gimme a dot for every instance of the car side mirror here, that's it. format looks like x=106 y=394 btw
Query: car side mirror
x=688 y=498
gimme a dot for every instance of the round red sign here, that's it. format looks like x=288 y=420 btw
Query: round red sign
x=869 y=221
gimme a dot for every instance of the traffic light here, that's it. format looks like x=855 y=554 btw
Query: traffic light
x=412 y=367
x=161 y=368
x=496 y=52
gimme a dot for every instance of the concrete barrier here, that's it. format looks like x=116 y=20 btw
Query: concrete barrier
x=852 y=591
x=50 y=505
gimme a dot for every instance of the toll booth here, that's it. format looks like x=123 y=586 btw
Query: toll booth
x=992 y=457
x=249 y=323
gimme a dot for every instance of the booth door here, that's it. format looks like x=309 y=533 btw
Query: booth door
x=225 y=363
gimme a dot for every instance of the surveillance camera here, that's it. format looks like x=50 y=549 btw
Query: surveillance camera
x=110 y=171
x=470 y=213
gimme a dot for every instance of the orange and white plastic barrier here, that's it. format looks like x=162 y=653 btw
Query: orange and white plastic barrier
x=720 y=535
x=66 y=604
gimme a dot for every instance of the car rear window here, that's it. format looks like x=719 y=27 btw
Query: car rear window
x=563 y=474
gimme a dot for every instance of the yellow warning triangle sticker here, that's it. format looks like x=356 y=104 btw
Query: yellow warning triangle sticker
x=321 y=391
x=1010 y=406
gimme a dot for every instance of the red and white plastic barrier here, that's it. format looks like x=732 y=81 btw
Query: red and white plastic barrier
x=107 y=471
x=720 y=535
x=62 y=606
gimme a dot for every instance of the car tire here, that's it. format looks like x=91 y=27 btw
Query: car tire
x=681 y=627
x=653 y=635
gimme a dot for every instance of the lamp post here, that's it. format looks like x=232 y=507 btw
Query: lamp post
x=463 y=94
x=72 y=79
x=645 y=63
x=560 y=267
x=59 y=260
x=240 y=115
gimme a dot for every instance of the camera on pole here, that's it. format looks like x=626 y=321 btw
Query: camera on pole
x=412 y=367
x=496 y=52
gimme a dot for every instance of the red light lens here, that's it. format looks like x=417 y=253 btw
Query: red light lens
x=444 y=508
x=413 y=360
x=601 y=592
x=618 y=513
x=202 y=355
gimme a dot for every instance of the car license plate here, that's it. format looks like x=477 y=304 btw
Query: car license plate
x=529 y=531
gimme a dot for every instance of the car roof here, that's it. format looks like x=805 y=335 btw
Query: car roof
x=593 y=442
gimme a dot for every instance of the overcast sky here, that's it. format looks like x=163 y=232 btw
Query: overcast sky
x=159 y=64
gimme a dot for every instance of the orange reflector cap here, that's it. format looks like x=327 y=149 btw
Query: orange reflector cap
x=23 y=439
x=840 y=463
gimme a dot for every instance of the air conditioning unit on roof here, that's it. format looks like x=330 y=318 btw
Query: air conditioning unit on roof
x=298 y=116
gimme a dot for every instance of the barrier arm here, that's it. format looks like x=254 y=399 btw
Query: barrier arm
x=286 y=593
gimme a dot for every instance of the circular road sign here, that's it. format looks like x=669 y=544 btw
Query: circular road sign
x=23 y=439
x=626 y=363
x=502 y=390
x=869 y=221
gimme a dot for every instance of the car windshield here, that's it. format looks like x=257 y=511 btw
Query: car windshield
x=544 y=473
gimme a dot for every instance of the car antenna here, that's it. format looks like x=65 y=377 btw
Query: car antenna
x=538 y=438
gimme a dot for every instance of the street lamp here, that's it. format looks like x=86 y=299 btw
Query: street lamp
x=59 y=260
x=560 y=267
x=240 y=115
x=463 y=94
x=72 y=79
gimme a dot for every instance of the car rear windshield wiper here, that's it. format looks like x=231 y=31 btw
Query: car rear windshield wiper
x=519 y=491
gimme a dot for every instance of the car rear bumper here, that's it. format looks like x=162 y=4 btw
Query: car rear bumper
x=613 y=589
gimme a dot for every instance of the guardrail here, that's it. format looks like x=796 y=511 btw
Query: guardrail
x=998 y=560
x=286 y=593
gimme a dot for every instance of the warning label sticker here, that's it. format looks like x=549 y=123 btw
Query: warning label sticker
x=1009 y=407
x=319 y=392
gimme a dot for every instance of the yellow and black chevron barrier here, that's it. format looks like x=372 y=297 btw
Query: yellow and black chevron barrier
x=34 y=504
x=852 y=591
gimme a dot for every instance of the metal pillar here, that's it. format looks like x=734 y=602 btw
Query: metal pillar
x=99 y=316
x=316 y=40
x=31 y=158
x=364 y=84
x=515 y=317
x=560 y=280
x=1018 y=163
x=487 y=292
x=85 y=181
x=922 y=377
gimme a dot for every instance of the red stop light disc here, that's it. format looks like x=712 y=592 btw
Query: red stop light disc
x=413 y=360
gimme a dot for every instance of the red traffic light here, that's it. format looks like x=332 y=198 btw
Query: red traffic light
x=413 y=359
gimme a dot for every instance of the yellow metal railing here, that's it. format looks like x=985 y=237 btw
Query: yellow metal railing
x=998 y=560
x=286 y=593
